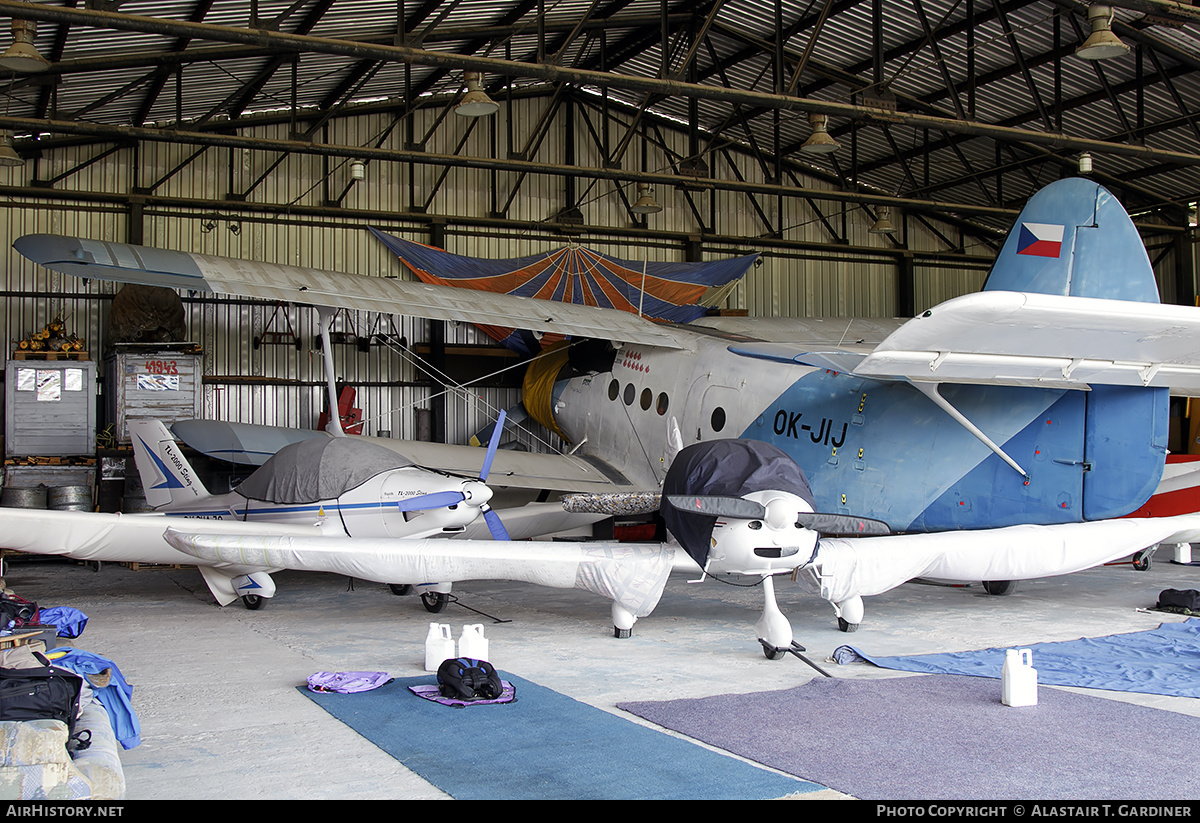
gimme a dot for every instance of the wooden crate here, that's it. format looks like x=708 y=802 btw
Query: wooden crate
x=50 y=408
x=164 y=382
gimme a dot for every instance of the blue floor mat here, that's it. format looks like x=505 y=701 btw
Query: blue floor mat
x=544 y=746
x=1164 y=661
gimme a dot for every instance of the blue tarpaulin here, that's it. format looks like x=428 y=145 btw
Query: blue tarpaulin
x=1164 y=661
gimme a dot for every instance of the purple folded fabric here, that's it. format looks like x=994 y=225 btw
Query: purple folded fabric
x=347 y=682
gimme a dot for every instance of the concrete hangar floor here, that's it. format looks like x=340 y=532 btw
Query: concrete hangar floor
x=215 y=689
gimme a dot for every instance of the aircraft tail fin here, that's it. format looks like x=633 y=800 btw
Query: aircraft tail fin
x=1074 y=239
x=167 y=477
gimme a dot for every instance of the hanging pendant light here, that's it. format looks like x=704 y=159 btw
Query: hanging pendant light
x=8 y=155
x=645 y=204
x=475 y=102
x=22 y=56
x=883 y=223
x=1101 y=44
x=819 y=142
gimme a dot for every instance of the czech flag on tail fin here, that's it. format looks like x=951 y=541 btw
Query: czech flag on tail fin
x=1040 y=239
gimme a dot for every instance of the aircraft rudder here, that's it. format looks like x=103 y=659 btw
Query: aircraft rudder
x=1074 y=238
x=167 y=476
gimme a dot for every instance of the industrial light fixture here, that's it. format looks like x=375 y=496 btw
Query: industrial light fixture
x=883 y=222
x=1101 y=44
x=819 y=142
x=8 y=155
x=475 y=103
x=358 y=170
x=645 y=204
x=22 y=56
x=1085 y=163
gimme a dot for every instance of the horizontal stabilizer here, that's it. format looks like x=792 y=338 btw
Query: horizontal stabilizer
x=1008 y=338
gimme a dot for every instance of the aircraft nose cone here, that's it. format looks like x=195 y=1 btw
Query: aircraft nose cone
x=476 y=493
x=780 y=514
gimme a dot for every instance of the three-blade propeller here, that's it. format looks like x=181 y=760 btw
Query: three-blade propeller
x=444 y=499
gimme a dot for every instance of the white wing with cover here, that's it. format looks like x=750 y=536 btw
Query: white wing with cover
x=632 y=576
x=847 y=568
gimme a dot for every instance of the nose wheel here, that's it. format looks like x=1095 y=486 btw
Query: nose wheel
x=775 y=632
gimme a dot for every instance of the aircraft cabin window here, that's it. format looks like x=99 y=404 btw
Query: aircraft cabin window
x=614 y=390
x=630 y=393
x=647 y=399
x=718 y=419
x=663 y=402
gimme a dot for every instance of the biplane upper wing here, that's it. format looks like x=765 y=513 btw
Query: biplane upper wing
x=126 y=263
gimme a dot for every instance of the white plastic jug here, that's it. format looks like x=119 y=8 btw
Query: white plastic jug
x=1018 y=679
x=472 y=643
x=439 y=646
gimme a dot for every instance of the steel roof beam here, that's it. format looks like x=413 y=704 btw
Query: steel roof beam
x=652 y=85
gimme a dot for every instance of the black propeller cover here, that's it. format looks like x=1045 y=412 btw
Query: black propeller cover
x=724 y=468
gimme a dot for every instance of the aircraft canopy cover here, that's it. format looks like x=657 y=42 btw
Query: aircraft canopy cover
x=319 y=469
x=730 y=468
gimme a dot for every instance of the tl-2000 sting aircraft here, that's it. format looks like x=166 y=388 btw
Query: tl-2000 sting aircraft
x=1003 y=432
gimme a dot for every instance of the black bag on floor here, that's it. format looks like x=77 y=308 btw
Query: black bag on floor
x=16 y=612
x=43 y=692
x=465 y=678
x=1186 y=601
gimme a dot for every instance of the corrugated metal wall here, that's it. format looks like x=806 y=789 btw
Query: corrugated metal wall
x=275 y=383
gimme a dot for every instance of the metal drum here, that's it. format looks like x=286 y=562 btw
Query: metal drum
x=70 y=498
x=31 y=498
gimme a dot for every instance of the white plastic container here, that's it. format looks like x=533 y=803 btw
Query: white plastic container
x=1018 y=679
x=472 y=643
x=439 y=646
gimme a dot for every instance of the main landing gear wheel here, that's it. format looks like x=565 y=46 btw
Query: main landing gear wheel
x=846 y=626
x=435 y=601
x=999 y=588
x=253 y=602
x=1141 y=560
x=400 y=589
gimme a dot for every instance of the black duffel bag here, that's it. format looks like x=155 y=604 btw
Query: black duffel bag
x=42 y=692
x=1182 y=601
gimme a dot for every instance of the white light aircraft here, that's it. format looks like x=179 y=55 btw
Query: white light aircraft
x=1002 y=434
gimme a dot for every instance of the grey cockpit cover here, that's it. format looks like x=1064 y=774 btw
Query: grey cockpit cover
x=729 y=468
x=319 y=469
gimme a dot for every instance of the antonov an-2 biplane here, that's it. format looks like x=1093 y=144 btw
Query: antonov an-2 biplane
x=1002 y=435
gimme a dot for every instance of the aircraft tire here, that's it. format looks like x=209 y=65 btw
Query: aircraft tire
x=999 y=588
x=1141 y=561
x=773 y=654
x=253 y=602
x=846 y=626
x=434 y=601
x=400 y=589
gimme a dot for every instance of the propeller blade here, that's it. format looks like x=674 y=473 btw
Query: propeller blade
x=718 y=506
x=433 y=500
x=842 y=524
x=494 y=525
x=493 y=444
